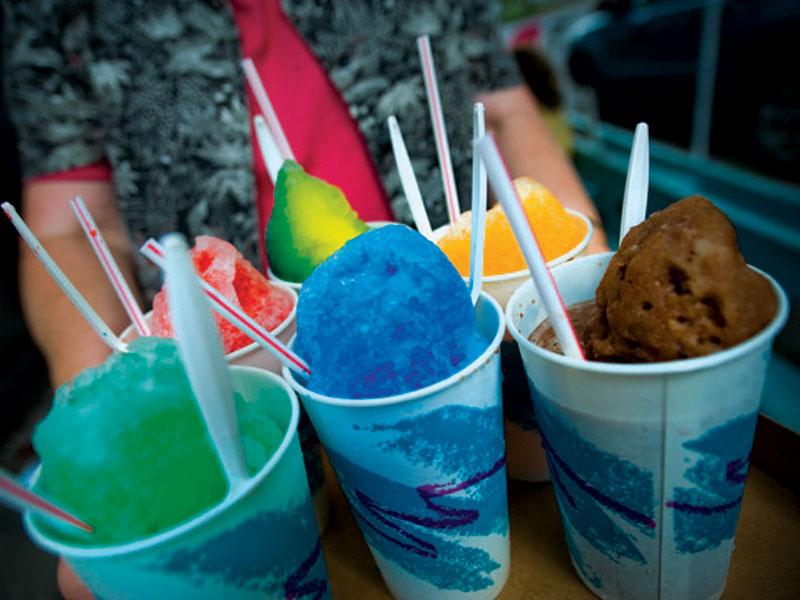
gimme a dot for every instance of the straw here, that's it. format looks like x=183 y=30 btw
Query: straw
x=478 y=227
x=118 y=282
x=16 y=495
x=63 y=282
x=269 y=148
x=201 y=352
x=408 y=180
x=236 y=317
x=264 y=104
x=542 y=278
x=634 y=203
x=439 y=130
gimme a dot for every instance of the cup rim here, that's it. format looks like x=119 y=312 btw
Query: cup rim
x=577 y=249
x=483 y=358
x=248 y=348
x=159 y=539
x=298 y=285
x=282 y=326
x=684 y=365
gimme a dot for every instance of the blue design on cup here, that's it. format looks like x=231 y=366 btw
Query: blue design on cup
x=590 y=483
x=437 y=439
x=415 y=526
x=257 y=567
x=577 y=560
x=707 y=513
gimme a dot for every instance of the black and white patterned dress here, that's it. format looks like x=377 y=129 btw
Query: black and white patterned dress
x=155 y=88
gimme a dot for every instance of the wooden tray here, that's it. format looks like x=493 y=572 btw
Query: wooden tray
x=766 y=561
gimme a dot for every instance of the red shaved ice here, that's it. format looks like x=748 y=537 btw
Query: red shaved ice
x=222 y=266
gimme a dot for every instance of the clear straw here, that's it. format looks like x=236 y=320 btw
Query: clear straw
x=16 y=495
x=634 y=203
x=439 y=130
x=408 y=180
x=542 y=278
x=200 y=348
x=98 y=243
x=269 y=148
x=478 y=225
x=238 y=318
x=63 y=282
x=265 y=105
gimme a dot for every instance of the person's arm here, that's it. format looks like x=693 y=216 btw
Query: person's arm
x=528 y=148
x=68 y=343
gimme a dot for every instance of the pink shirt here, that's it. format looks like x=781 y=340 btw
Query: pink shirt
x=323 y=136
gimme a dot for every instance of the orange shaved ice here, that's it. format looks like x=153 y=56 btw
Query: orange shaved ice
x=557 y=232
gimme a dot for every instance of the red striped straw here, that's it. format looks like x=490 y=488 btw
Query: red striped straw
x=542 y=277
x=88 y=313
x=17 y=495
x=265 y=106
x=100 y=248
x=236 y=317
x=439 y=130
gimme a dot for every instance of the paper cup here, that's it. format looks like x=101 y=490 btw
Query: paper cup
x=526 y=460
x=424 y=474
x=648 y=461
x=260 y=542
x=251 y=355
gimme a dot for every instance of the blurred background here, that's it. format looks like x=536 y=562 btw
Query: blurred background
x=714 y=79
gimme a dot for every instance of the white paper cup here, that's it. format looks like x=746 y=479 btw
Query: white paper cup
x=526 y=460
x=424 y=474
x=259 y=542
x=648 y=461
x=251 y=355
x=254 y=355
x=500 y=287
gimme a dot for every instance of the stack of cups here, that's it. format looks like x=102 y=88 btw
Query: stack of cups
x=648 y=461
x=259 y=542
x=424 y=474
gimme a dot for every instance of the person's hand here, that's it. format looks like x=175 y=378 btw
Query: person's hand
x=66 y=340
x=598 y=244
x=70 y=585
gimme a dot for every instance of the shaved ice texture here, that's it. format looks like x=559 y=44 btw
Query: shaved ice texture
x=310 y=221
x=386 y=314
x=125 y=447
x=222 y=266
x=557 y=232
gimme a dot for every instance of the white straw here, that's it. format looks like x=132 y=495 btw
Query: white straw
x=264 y=104
x=98 y=243
x=408 y=180
x=439 y=130
x=63 y=282
x=15 y=495
x=542 y=278
x=634 y=203
x=478 y=226
x=200 y=348
x=238 y=318
x=269 y=148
